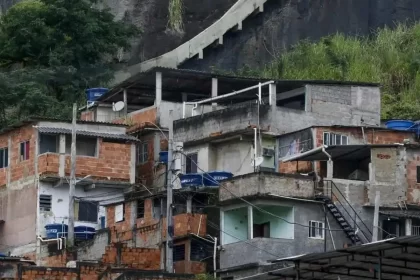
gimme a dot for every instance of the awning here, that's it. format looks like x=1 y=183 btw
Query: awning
x=58 y=130
x=391 y=259
x=341 y=152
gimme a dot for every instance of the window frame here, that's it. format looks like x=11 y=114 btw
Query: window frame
x=57 y=142
x=44 y=197
x=123 y=213
x=4 y=155
x=316 y=225
x=191 y=164
x=139 y=203
x=78 y=139
x=332 y=139
x=26 y=152
x=81 y=202
x=143 y=152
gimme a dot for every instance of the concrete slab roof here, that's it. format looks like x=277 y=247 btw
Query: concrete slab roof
x=141 y=87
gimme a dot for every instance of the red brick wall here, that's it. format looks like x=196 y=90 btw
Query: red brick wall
x=87 y=116
x=137 y=258
x=293 y=167
x=190 y=267
x=57 y=260
x=50 y=274
x=413 y=190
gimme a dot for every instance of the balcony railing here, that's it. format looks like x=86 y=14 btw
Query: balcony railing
x=415 y=230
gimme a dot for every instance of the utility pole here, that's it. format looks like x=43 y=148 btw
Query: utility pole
x=169 y=198
x=72 y=177
x=376 y=217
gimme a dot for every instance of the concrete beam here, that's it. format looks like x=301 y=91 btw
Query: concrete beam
x=214 y=92
x=290 y=94
x=62 y=158
x=258 y=10
x=238 y=27
x=200 y=54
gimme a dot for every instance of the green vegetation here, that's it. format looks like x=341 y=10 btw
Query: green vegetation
x=176 y=12
x=390 y=57
x=51 y=51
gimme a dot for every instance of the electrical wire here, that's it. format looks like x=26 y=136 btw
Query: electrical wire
x=253 y=205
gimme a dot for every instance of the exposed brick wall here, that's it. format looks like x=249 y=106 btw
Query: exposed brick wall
x=293 y=167
x=42 y=273
x=138 y=258
x=139 y=118
x=87 y=116
x=190 y=267
x=56 y=260
x=413 y=188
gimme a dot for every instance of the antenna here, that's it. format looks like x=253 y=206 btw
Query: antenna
x=257 y=161
x=116 y=107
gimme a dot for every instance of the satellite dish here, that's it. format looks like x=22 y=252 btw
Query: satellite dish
x=116 y=107
x=257 y=161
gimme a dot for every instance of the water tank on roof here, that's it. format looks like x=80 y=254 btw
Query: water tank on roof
x=84 y=232
x=213 y=178
x=400 y=124
x=56 y=230
x=94 y=93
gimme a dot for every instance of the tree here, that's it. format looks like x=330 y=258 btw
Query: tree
x=51 y=50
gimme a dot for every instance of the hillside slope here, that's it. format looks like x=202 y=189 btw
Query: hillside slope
x=285 y=22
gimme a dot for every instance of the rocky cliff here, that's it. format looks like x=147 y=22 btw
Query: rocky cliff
x=285 y=22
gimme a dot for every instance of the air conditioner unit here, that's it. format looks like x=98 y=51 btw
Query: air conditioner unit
x=268 y=152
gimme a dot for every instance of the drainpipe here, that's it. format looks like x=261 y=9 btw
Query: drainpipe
x=329 y=163
x=214 y=257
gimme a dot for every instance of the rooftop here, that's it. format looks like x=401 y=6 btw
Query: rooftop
x=141 y=87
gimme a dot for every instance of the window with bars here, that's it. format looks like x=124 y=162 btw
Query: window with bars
x=86 y=211
x=140 y=209
x=191 y=163
x=331 y=139
x=4 y=157
x=142 y=153
x=45 y=202
x=24 y=150
x=179 y=253
x=316 y=229
x=85 y=146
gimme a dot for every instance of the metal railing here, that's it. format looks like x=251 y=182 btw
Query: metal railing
x=349 y=213
x=415 y=230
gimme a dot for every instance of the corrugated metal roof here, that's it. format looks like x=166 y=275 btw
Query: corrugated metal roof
x=58 y=130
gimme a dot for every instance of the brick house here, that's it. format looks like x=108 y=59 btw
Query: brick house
x=34 y=165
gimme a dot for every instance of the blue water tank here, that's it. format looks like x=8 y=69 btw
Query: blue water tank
x=192 y=180
x=56 y=230
x=84 y=232
x=94 y=93
x=400 y=124
x=3 y=255
x=163 y=157
x=213 y=178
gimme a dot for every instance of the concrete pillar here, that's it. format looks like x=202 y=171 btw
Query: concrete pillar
x=308 y=99
x=408 y=227
x=189 y=204
x=125 y=110
x=156 y=146
x=184 y=97
x=9 y=159
x=133 y=163
x=214 y=92
x=330 y=169
x=272 y=88
x=250 y=223
x=62 y=151
x=222 y=227
x=158 y=85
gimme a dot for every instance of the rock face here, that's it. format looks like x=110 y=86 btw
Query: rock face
x=284 y=22
x=151 y=16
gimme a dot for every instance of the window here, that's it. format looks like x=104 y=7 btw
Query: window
x=140 y=209
x=48 y=143
x=4 y=157
x=24 y=151
x=86 y=211
x=45 y=202
x=85 y=146
x=179 y=253
x=316 y=229
x=418 y=174
x=191 y=163
x=142 y=152
x=157 y=210
x=331 y=139
x=119 y=213
x=261 y=230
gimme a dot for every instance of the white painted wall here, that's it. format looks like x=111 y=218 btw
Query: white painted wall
x=235 y=157
x=60 y=203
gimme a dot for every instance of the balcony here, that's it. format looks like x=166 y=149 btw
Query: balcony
x=274 y=184
x=415 y=230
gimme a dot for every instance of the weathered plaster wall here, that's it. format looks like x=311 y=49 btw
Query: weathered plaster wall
x=240 y=253
x=267 y=183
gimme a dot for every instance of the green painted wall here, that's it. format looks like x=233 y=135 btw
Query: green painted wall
x=278 y=228
x=235 y=224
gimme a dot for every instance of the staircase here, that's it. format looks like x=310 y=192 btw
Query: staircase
x=347 y=218
x=212 y=35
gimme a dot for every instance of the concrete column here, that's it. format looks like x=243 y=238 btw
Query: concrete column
x=408 y=227
x=158 y=99
x=250 y=223
x=133 y=164
x=125 y=110
x=330 y=168
x=273 y=95
x=156 y=146
x=184 y=97
x=9 y=160
x=62 y=151
x=189 y=204
x=214 y=91
x=222 y=227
